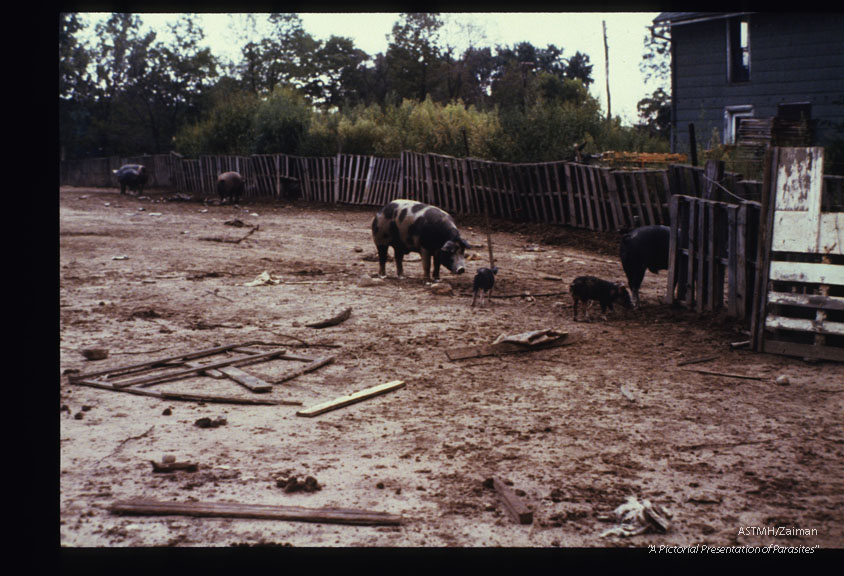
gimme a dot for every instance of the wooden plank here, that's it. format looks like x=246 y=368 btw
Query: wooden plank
x=732 y=260
x=832 y=353
x=245 y=379
x=317 y=363
x=514 y=506
x=600 y=202
x=254 y=511
x=175 y=375
x=572 y=219
x=351 y=398
x=503 y=348
x=807 y=300
x=153 y=363
x=615 y=204
x=741 y=284
x=645 y=193
x=691 y=247
x=178 y=396
x=803 y=325
x=700 y=252
x=817 y=273
x=673 y=252
x=711 y=265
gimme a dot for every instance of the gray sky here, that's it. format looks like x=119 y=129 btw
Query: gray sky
x=579 y=31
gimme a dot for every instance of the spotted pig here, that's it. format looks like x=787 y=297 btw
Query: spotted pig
x=410 y=226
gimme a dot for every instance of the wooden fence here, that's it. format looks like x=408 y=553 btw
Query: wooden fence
x=714 y=215
x=713 y=255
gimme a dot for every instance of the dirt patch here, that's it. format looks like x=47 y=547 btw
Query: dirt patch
x=574 y=431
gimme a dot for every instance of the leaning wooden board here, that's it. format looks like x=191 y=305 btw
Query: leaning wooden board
x=351 y=398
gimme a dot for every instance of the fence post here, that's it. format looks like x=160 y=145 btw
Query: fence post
x=673 y=257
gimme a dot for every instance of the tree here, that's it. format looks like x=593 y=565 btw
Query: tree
x=413 y=54
x=579 y=68
x=339 y=73
x=655 y=113
x=75 y=87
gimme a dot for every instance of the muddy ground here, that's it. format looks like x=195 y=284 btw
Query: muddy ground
x=574 y=430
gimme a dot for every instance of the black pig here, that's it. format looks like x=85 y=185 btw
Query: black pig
x=410 y=226
x=483 y=283
x=132 y=176
x=229 y=185
x=644 y=248
x=586 y=288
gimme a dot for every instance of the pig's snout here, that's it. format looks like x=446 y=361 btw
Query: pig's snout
x=460 y=270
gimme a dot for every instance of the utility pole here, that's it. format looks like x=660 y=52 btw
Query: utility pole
x=607 y=68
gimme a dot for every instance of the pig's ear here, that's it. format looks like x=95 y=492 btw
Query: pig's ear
x=449 y=247
x=465 y=244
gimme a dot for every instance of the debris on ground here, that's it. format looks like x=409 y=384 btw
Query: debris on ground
x=532 y=338
x=442 y=289
x=255 y=511
x=169 y=464
x=366 y=281
x=504 y=344
x=513 y=504
x=292 y=484
x=235 y=222
x=209 y=423
x=637 y=517
x=333 y=321
x=95 y=353
x=351 y=398
x=264 y=279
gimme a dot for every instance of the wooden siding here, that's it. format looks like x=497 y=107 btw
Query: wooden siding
x=794 y=57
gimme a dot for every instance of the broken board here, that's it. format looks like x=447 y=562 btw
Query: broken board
x=135 y=377
x=351 y=398
x=258 y=511
x=505 y=348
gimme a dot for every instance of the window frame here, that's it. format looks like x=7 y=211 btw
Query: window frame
x=737 y=72
x=731 y=114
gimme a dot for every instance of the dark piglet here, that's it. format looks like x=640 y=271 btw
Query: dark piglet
x=410 y=226
x=229 y=185
x=483 y=283
x=132 y=176
x=586 y=288
x=644 y=248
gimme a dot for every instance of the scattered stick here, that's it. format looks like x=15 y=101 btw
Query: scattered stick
x=218 y=295
x=351 y=398
x=123 y=442
x=318 y=363
x=742 y=344
x=727 y=374
x=341 y=317
x=516 y=509
x=698 y=360
x=228 y=240
x=257 y=511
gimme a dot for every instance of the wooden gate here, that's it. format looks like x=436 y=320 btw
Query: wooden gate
x=801 y=308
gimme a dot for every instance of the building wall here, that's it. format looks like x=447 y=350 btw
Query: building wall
x=794 y=57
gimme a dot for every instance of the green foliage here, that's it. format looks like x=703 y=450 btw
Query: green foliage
x=281 y=122
x=227 y=129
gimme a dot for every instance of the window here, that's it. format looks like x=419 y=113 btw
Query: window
x=733 y=116
x=738 y=49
